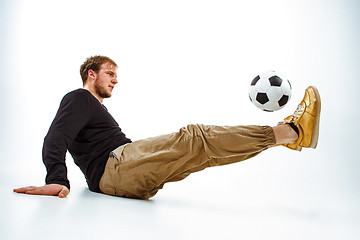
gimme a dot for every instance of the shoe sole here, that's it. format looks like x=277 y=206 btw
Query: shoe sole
x=315 y=136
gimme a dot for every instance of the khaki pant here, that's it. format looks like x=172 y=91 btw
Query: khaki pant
x=139 y=169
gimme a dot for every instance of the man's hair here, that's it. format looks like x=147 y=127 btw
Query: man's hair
x=93 y=63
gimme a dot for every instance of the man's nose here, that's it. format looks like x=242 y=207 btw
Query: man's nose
x=115 y=81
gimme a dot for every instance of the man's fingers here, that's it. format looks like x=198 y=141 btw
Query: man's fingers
x=31 y=190
x=24 y=189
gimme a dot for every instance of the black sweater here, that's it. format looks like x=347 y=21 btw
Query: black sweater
x=83 y=126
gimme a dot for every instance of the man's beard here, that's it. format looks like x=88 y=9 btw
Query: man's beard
x=101 y=91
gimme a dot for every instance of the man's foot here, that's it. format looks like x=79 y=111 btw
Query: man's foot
x=306 y=119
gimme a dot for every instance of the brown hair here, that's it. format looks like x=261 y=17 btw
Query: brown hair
x=93 y=63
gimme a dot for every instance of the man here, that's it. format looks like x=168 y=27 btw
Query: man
x=114 y=165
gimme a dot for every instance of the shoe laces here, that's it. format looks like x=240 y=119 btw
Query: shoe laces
x=298 y=111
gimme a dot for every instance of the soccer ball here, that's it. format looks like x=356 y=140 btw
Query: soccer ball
x=269 y=91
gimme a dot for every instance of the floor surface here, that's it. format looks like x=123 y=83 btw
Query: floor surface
x=222 y=202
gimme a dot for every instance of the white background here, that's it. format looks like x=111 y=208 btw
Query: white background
x=183 y=62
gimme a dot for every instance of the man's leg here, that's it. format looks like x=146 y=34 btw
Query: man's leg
x=284 y=134
x=141 y=168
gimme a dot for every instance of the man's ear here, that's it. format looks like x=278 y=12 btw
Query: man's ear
x=91 y=74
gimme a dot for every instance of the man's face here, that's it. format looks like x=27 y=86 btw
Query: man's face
x=105 y=80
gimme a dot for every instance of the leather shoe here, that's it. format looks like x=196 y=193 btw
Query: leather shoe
x=306 y=118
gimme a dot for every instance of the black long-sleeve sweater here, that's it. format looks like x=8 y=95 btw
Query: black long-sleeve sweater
x=85 y=128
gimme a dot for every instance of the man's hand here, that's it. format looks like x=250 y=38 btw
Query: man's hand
x=50 y=189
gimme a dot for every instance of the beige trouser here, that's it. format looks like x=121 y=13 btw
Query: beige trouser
x=139 y=169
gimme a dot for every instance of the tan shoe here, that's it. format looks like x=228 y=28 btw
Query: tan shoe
x=306 y=118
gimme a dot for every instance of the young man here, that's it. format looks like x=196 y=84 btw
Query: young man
x=114 y=165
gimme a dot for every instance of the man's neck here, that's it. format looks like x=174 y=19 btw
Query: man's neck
x=93 y=92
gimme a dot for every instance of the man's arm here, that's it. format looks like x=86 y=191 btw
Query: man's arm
x=71 y=117
x=69 y=120
x=50 y=189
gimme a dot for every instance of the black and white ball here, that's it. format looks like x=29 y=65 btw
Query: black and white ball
x=269 y=91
